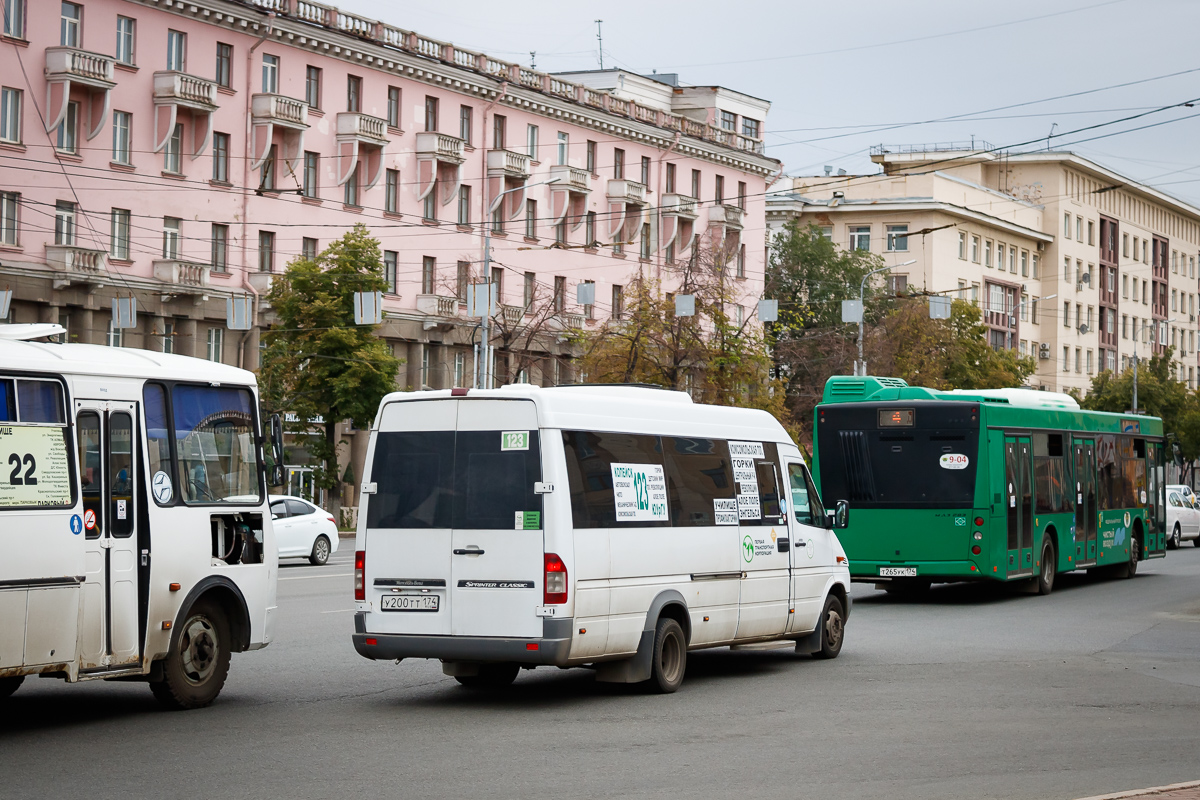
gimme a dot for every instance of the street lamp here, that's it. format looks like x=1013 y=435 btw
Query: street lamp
x=487 y=277
x=860 y=368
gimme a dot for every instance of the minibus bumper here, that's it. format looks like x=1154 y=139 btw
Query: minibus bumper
x=552 y=648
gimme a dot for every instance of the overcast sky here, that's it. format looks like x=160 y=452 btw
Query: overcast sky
x=837 y=71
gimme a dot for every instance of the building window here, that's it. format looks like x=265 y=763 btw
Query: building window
x=122 y=121
x=119 y=238
x=897 y=284
x=353 y=94
x=125 y=28
x=741 y=201
x=589 y=309
x=460 y=368
x=741 y=262
x=351 y=187
x=266 y=251
x=645 y=170
x=390 y=271
x=696 y=184
x=270 y=74
x=10 y=115
x=64 y=223
x=464 y=205
x=1066 y=315
x=531 y=141
x=591 y=156
x=310 y=179
x=113 y=336
x=428 y=274
x=499 y=132
x=1033 y=311
x=431 y=113
x=391 y=191
x=224 y=65
x=530 y=289
x=312 y=87
x=171 y=237
x=751 y=128
x=1012 y=260
x=987 y=252
x=8 y=217
x=561 y=152
x=897 y=238
x=463 y=280
x=177 y=51
x=14 y=18
x=69 y=22
x=1079 y=238
x=308 y=248
x=220 y=145
x=429 y=211
x=618 y=163
x=962 y=246
x=498 y=219
x=530 y=219
x=1067 y=230
x=1091 y=232
x=220 y=248
x=728 y=121
x=266 y=177
x=215 y=344
x=589 y=229
x=393 y=106
x=67 y=129
x=173 y=152
x=669 y=253
x=465 y=123
x=860 y=237
x=560 y=294
x=1024 y=263
x=560 y=232
x=644 y=242
x=618 y=301
x=719 y=189
x=1036 y=272
x=670 y=182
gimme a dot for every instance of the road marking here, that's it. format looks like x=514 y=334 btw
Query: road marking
x=310 y=577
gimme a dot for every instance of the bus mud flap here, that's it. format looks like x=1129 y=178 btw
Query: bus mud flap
x=629 y=670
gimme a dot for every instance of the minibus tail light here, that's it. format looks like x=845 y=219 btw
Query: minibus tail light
x=360 y=578
x=554 y=590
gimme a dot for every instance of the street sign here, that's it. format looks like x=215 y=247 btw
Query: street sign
x=477 y=299
x=124 y=312
x=768 y=310
x=585 y=293
x=685 y=305
x=238 y=312
x=939 y=307
x=368 y=308
x=5 y=302
x=852 y=311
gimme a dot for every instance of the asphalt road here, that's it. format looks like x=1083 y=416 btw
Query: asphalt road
x=973 y=693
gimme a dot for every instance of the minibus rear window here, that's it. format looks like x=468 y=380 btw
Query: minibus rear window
x=414 y=475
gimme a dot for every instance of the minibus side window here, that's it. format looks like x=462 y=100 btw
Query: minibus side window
x=771 y=511
x=494 y=484
x=590 y=456
x=158 y=443
x=698 y=472
x=806 y=504
x=414 y=476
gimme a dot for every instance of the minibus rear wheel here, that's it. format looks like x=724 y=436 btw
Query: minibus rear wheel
x=198 y=662
x=10 y=685
x=669 y=659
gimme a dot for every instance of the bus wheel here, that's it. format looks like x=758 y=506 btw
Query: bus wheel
x=491 y=676
x=10 y=685
x=669 y=658
x=833 y=629
x=320 y=552
x=1046 y=576
x=1173 y=542
x=1129 y=569
x=198 y=662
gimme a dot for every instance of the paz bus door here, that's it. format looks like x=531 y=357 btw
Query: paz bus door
x=1018 y=501
x=109 y=631
x=1086 y=513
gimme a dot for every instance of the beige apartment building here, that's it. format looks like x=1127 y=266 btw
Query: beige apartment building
x=1072 y=263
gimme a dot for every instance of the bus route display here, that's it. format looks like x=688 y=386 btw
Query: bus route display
x=896 y=417
x=36 y=467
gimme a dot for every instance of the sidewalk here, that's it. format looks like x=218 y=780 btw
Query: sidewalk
x=1176 y=791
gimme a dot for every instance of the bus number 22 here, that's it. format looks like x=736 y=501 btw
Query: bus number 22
x=14 y=477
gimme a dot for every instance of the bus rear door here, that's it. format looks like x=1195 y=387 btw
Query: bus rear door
x=1019 y=505
x=108 y=476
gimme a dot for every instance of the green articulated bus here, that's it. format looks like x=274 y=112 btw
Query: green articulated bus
x=998 y=484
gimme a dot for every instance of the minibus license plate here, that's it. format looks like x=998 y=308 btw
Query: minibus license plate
x=409 y=602
x=897 y=572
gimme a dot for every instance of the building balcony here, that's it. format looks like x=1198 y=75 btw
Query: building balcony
x=276 y=109
x=262 y=282
x=564 y=321
x=513 y=315
x=79 y=67
x=731 y=217
x=679 y=205
x=77 y=264
x=181 y=274
x=362 y=127
x=437 y=305
x=185 y=90
x=623 y=191
x=439 y=146
x=575 y=180
x=506 y=163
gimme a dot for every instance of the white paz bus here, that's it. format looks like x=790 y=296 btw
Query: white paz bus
x=615 y=527
x=133 y=520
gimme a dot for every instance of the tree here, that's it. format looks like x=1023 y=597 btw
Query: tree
x=318 y=364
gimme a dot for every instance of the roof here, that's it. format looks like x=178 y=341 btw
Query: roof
x=93 y=359
x=627 y=409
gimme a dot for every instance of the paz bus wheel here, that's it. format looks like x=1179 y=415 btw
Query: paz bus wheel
x=668 y=660
x=198 y=662
x=1049 y=568
x=833 y=629
x=10 y=685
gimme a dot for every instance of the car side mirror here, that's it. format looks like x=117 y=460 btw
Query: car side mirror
x=841 y=515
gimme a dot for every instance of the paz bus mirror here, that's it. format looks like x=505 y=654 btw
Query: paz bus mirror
x=841 y=515
x=276 y=450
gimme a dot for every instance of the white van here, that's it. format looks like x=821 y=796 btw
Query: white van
x=611 y=526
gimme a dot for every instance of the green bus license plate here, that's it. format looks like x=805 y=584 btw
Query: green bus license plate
x=409 y=602
x=897 y=572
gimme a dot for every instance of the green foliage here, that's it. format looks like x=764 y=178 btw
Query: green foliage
x=317 y=362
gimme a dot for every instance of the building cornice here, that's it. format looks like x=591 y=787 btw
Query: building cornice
x=796 y=206
x=358 y=48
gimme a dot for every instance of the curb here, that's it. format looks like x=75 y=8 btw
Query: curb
x=1145 y=792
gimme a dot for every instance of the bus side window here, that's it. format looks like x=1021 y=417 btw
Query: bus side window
x=158 y=443
x=8 y=401
x=88 y=429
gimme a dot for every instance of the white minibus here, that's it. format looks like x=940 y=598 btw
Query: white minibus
x=133 y=520
x=615 y=527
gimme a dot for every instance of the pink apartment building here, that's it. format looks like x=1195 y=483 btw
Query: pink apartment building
x=184 y=152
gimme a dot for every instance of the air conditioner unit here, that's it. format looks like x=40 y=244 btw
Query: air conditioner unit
x=1044 y=352
x=1041 y=246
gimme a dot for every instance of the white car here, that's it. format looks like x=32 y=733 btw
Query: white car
x=1185 y=491
x=1183 y=519
x=303 y=530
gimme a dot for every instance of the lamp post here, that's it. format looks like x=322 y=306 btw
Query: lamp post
x=860 y=368
x=486 y=377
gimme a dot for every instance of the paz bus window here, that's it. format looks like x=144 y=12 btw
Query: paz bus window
x=8 y=401
x=121 y=474
x=40 y=401
x=215 y=444
x=158 y=441
x=90 y=466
